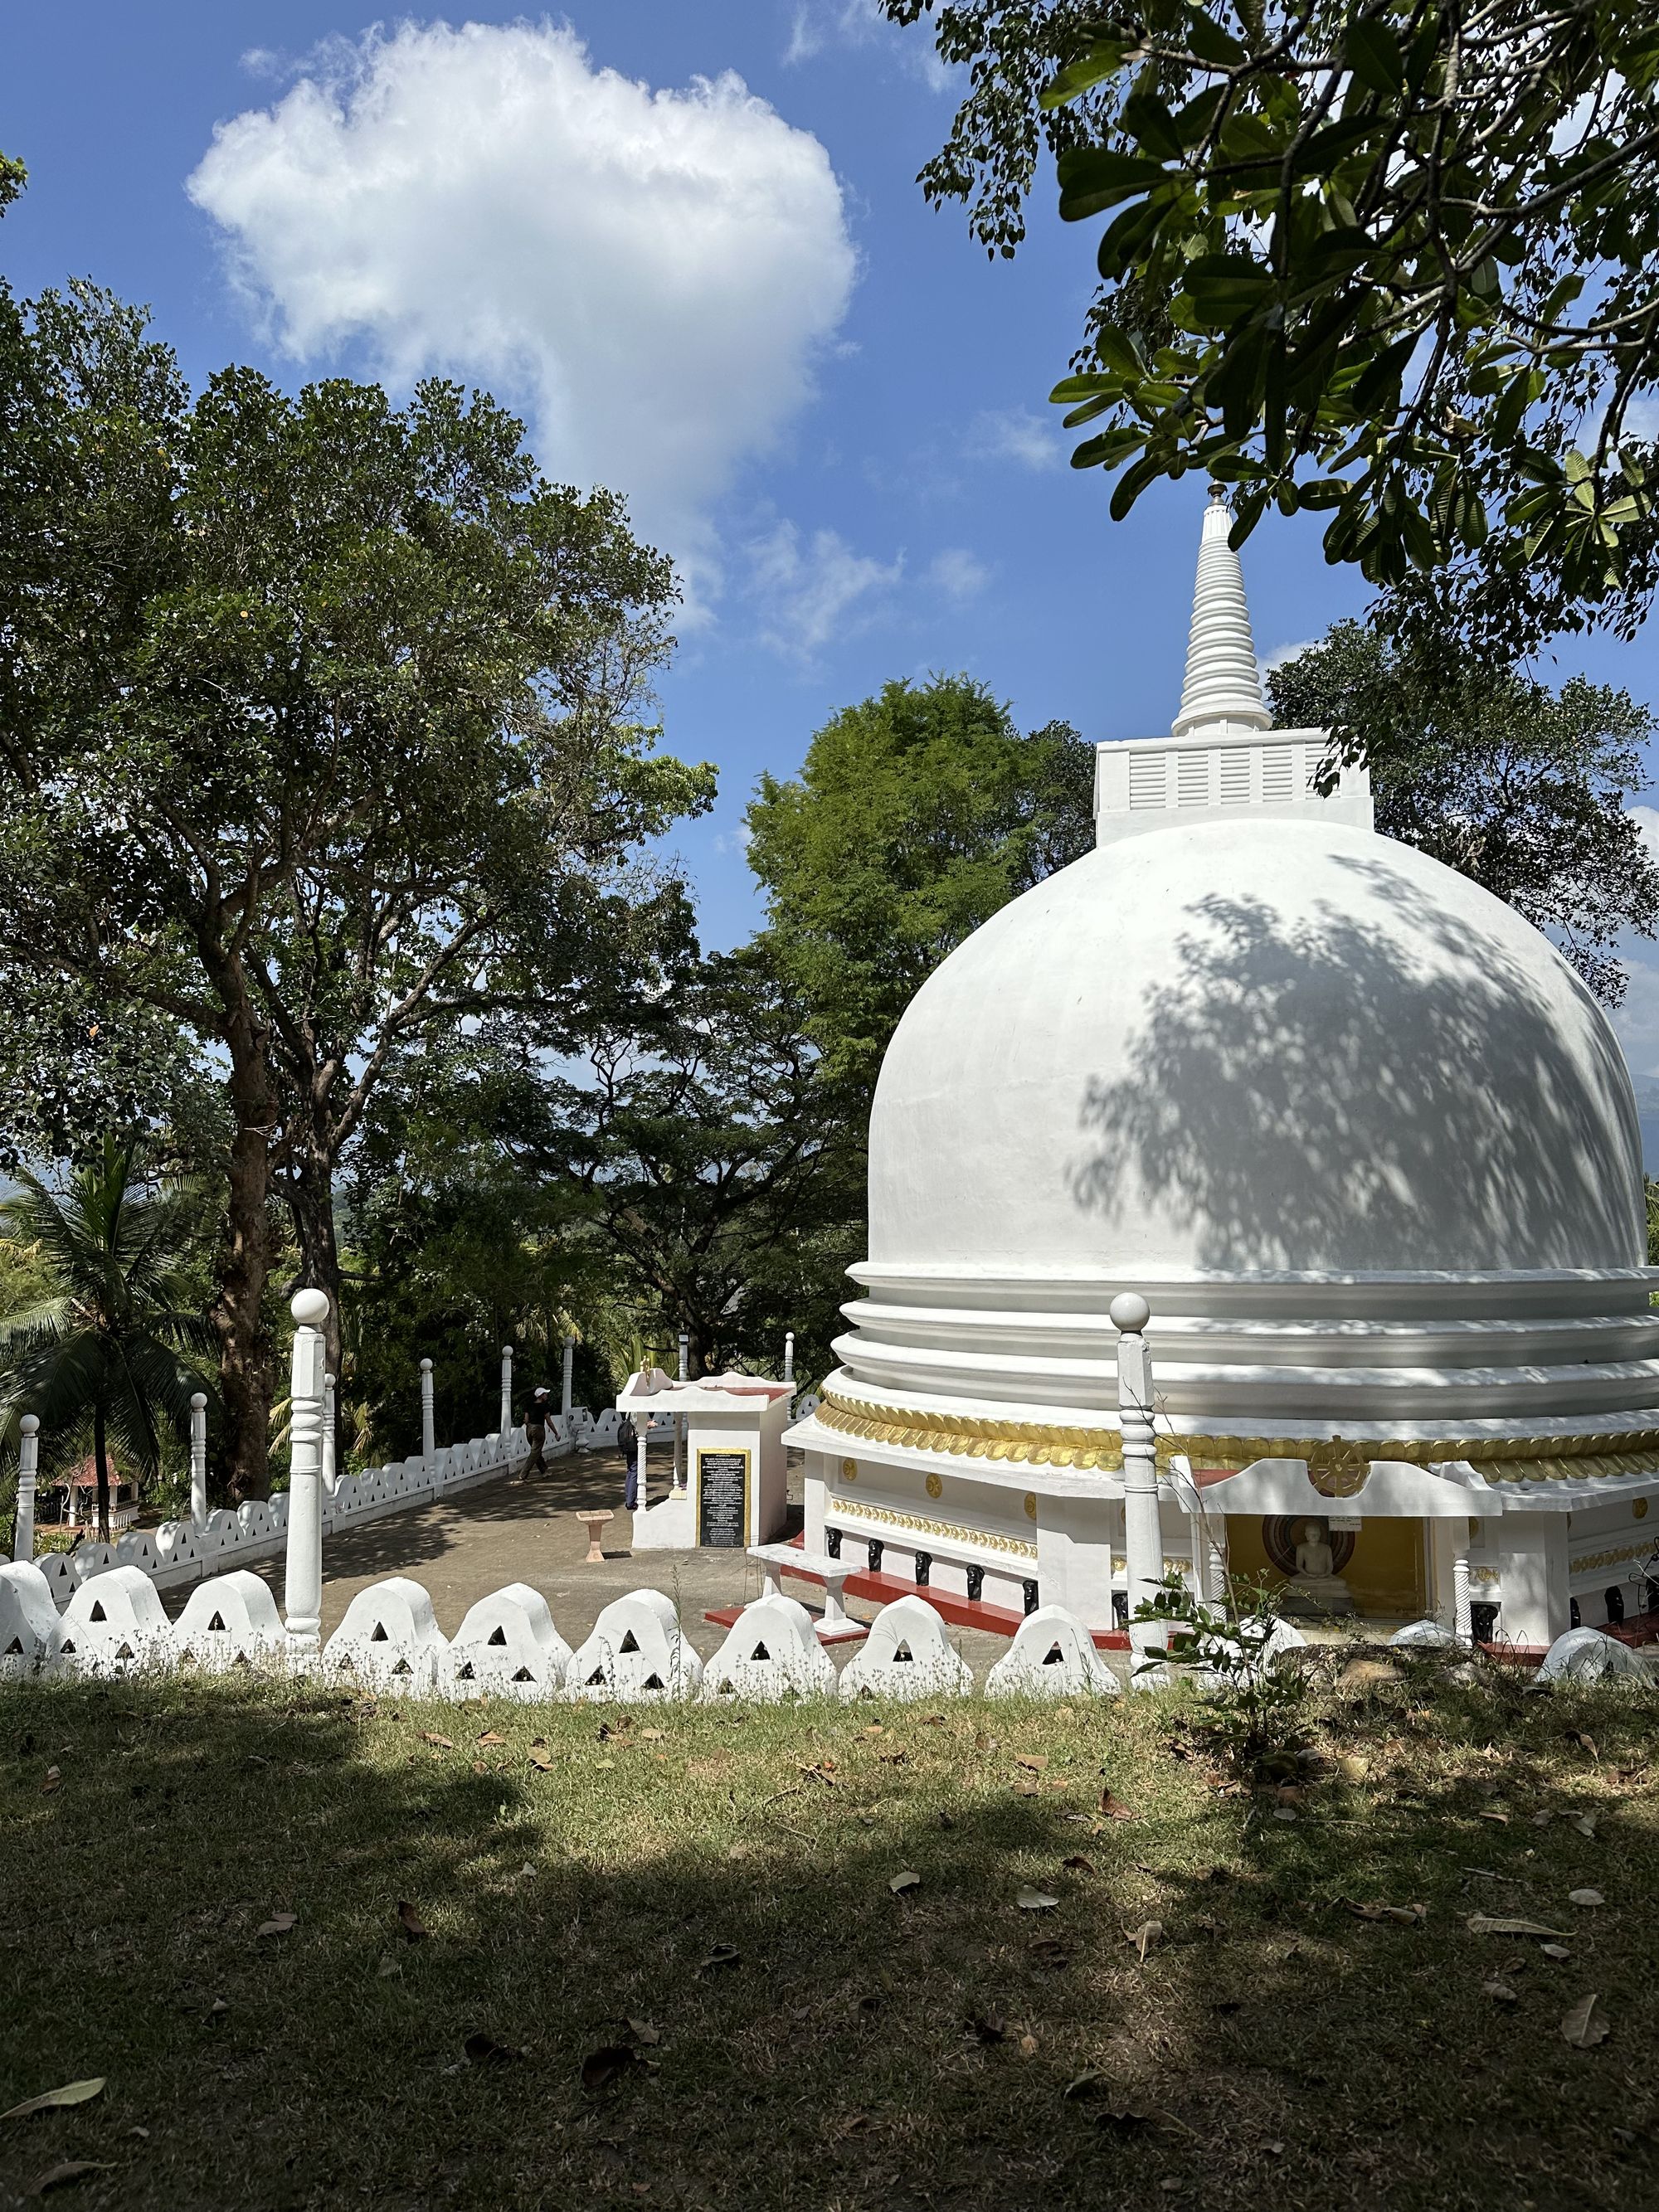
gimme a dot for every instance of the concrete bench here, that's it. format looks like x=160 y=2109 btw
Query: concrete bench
x=776 y=1560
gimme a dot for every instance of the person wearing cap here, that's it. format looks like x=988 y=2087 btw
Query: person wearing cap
x=535 y=1430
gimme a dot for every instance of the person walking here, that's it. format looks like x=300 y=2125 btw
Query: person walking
x=628 y=1442
x=535 y=1432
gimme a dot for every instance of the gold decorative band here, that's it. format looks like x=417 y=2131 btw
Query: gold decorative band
x=1336 y=1465
x=1592 y=1560
x=952 y=1531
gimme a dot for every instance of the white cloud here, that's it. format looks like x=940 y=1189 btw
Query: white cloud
x=809 y=591
x=1014 y=434
x=957 y=573
x=650 y=274
x=1278 y=654
x=816 y=24
x=1646 y=819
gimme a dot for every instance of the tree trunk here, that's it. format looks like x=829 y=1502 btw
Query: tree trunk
x=311 y=1200
x=100 y=1464
x=243 y=1264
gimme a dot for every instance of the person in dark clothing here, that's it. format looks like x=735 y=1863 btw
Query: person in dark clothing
x=535 y=1432
x=628 y=1439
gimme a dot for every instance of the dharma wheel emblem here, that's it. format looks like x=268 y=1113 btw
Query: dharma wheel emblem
x=1338 y=1469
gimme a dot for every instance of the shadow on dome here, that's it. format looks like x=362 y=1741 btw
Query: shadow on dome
x=1302 y=1097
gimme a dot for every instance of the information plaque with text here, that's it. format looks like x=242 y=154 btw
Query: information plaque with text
x=723 y=1499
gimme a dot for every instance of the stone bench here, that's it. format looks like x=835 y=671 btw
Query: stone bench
x=776 y=1560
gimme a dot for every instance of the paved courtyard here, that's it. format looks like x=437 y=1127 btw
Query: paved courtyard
x=464 y=1546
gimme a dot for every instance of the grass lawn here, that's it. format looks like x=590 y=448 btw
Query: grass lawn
x=802 y=2034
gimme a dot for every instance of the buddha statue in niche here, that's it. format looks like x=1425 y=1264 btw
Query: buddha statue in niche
x=1315 y=1586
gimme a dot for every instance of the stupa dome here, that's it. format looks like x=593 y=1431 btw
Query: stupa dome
x=1355 y=1129
x=1252 y=1045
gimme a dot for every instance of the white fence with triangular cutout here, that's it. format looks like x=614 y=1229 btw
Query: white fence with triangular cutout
x=1051 y=1656
x=229 y=1620
x=507 y=1647
x=389 y=1640
x=636 y=1653
x=906 y=1654
x=771 y=1653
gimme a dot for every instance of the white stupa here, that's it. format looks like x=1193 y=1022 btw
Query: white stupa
x=1355 y=1131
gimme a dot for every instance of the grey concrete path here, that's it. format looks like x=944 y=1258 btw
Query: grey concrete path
x=463 y=1547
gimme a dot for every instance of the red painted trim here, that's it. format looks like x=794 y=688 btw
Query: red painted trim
x=960 y=1612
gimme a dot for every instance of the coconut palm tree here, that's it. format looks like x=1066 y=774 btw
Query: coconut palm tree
x=109 y=1344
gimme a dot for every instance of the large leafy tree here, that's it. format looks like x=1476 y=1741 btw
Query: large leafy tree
x=1522 y=787
x=709 y=1149
x=917 y=814
x=324 y=727
x=110 y=1343
x=1389 y=260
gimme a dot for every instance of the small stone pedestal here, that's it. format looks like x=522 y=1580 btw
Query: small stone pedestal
x=593 y=1519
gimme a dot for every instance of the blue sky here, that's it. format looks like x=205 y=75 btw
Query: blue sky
x=730 y=302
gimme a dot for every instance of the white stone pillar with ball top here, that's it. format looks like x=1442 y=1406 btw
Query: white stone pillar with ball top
x=1143 y=1533
x=428 y=1441
x=303 y=1593
x=506 y=1422
x=28 y=1464
x=199 y=1505
x=564 y=1387
x=331 y=1434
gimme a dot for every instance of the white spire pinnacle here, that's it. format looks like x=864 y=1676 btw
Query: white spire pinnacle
x=1224 y=684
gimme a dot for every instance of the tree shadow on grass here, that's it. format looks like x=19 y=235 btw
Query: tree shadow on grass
x=863 y=2047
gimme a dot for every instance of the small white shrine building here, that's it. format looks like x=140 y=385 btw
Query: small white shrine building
x=1356 y=1132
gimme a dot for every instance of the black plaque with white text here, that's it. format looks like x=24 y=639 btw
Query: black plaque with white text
x=722 y=1498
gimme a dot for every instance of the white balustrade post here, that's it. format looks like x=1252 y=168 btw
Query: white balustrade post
x=639 y=1466
x=428 y=1435
x=28 y=1476
x=789 y=1356
x=1462 y=1614
x=564 y=1393
x=303 y=1594
x=506 y=1422
x=1143 y=1533
x=679 y=1418
x=330 y=1447
x=198 y=1506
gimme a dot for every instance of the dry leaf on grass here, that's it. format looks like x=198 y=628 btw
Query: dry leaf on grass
x=53 y=1777
x=1033 y=1761
x=1483 y=1924
x=52 y=2100
x=1583 y=1742
x=721 y=1954
x=67 y=2169
x=1353 y=1767
x=484 y=2050
x=608 y=2064
x=1499 y=1992
x=902 y=1884
x=1048 y=1951
x=1034 y=1900
x=542 y=1757
x=1079 y=1862
x=645 y=2031
x=1145 y=1938
x=491 y=1735
x=1553 y=1951
x=1408 y=1916
x=1587 y=2024
x=1585 y=1823
x=986 y=2027
x=1491 y=1813
x=1585 y=1896
x=430 y=1735
x=1114 y=1807
x=413 y=1928
x=279 y=1924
